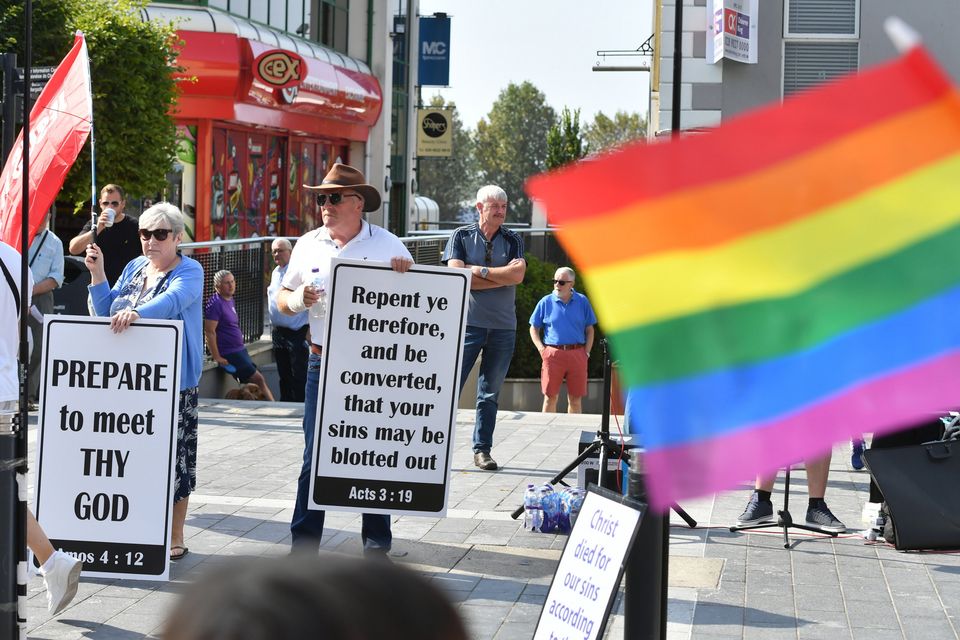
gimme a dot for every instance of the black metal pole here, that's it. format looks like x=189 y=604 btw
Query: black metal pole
x=648 y=563
x=602 y=472
x=24 y=314
x=677 y=67
x=8 y=440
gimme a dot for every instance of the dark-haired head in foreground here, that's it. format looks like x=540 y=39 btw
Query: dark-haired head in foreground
x=323 y=597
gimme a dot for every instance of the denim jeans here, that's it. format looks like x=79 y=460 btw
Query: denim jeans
x=307 y=524
x=497 y=348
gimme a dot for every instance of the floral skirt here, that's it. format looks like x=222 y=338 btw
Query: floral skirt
x=186 y=480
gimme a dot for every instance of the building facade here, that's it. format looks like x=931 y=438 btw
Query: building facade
x=273 y=92
x=799 y=43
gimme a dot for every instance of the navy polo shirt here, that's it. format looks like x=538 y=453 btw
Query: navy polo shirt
x=489 y=308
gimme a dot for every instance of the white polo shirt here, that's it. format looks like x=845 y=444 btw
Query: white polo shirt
x=10 y=323
x=315 y=249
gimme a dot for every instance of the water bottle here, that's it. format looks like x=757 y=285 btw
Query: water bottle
x=576 y=501
x=319 y=308
x=550 y=504
x=111 y=215
x=532 y=514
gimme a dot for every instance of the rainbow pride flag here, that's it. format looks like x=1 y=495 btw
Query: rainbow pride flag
x=781 y=283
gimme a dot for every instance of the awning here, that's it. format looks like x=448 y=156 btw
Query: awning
x=328 y=93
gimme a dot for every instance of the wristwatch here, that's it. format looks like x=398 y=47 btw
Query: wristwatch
x=484 y=272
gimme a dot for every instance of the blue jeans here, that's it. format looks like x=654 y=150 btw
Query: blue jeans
x=307 y=524
x=497 y=348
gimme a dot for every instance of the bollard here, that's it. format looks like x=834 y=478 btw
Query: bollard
x=645 y=581
x=8 y=522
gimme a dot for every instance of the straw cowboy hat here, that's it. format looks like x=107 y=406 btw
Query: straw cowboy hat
x=342 y=175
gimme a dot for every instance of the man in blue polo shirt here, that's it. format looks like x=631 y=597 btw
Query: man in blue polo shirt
x=567 y=320
x=495 y=256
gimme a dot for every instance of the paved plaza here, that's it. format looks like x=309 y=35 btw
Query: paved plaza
x=722 y=584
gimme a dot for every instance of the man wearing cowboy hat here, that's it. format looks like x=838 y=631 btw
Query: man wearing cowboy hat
x=343 y=196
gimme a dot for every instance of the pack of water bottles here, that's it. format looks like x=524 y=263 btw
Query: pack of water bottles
x=547 y=511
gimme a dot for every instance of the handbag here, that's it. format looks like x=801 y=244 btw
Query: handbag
x=919 y=486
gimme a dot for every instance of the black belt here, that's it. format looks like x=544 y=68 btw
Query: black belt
x=566 y=347
x=290 y=331
x=316 y=349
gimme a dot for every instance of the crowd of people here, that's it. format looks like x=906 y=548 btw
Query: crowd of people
x=138 y=271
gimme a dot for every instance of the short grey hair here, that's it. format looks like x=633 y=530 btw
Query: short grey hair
x=163 y=212
x=569 y=272
x=491 y=192
x=281 y=243
x=219 y=276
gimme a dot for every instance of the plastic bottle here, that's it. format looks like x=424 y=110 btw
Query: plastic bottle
x=319 y=308
x=532 y=513
x=576 y=501
x=550 y=503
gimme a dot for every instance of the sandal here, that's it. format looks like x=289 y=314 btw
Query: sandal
x=177 y=551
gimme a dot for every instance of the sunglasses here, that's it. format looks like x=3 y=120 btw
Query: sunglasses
x=561 y=282
x=488 y=256
x=109 y=203
x=335 y=198
x=159 y=234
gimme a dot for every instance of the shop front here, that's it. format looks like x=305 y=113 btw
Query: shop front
x=260 y=114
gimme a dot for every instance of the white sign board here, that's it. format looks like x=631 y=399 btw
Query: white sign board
x=583 y=588
x=107 y=443
x=732 y=28
x=388 y=388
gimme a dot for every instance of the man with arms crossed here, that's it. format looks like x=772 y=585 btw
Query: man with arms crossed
x=289 y=333
x=343 y=196
x=494 y=255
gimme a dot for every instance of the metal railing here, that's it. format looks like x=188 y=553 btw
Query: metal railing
x=250 y=262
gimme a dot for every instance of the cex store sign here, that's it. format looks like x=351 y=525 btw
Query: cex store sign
x=279 y=69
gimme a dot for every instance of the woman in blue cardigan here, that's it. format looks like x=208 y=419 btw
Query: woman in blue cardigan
x=162 y=284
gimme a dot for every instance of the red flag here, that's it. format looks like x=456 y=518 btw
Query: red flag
x=60 y=122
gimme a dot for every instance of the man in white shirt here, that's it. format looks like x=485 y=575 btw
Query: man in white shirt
x=289 y=333
x=343 y=196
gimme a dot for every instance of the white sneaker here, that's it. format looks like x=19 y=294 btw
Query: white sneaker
x=61 y=575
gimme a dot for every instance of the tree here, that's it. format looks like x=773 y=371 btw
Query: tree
x=511 y=143
x=603 y=133
x=449 y=181
x=564 y=142
x=134 y=93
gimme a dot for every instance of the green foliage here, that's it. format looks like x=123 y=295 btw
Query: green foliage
x=450 y=181
x=604 y=133
x=134 y=93
x=511 y=143
x=51 y=29
x=538 y=282
x=564 y=142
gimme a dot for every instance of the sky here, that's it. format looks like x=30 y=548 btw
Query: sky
x=551 y=43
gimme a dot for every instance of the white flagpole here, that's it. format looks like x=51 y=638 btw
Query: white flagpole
x=93 y=147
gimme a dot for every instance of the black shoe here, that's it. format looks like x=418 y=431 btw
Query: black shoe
x=377 y=554
x=821 y=517
x=757 y=511
x=483 y=460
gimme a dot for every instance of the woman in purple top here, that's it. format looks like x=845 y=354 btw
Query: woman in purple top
x=221 y=326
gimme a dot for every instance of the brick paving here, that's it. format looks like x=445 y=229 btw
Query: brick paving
x=722 y=584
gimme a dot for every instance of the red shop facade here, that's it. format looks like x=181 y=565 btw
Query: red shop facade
x=256 y=121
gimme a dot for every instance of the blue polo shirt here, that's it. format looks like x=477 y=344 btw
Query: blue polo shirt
x=489 y=308
x=563 y=322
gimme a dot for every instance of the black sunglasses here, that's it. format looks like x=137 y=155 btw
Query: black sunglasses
x=561 y=282
x=109 y=203
x=335 y=198
x=488 y=256
x=159 y=234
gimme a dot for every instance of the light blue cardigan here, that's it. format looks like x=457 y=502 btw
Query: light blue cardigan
x=181 y=300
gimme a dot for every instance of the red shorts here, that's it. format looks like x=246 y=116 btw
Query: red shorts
x=559 y=364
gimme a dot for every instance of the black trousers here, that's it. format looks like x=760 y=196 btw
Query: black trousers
x=291 y=352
